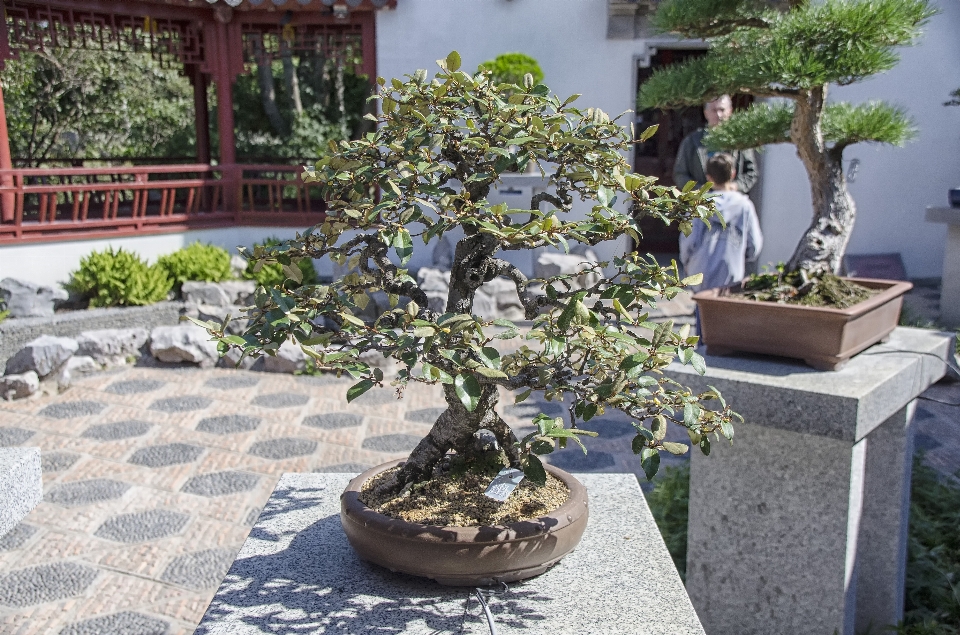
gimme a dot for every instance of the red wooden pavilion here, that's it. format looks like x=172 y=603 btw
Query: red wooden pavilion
x=211 y=40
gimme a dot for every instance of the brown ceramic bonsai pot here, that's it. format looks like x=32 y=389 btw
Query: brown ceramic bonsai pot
x=464 y=556
x=825 y=338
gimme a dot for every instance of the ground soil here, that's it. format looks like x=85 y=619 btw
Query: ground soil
x=458 y=501
x=788 y=288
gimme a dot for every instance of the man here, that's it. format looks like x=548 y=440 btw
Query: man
x=691 y=163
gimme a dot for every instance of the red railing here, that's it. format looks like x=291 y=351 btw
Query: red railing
x=42 y=204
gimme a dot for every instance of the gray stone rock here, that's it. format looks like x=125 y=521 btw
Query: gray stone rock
x=550 y=264
x=200 y=292
x=72 y=409
x=284 y=448
x=117 y=431
x=141 y=526
x=240 y=292
x=166 y=455
x=123 y=623
x=213 y=313
x=19 y=386
x=232 y=359
x=435 y=284
x=485 y=305
x=228 y=424
x=183 y=343
x=186 y=403
x=25 y=299
x=82 y=364
x=290 y=358
x=504 y=294
x=391 y=443
x=21 y=485
x=17 y=537
x=134 y=386
x=199 y=570
x=45 y=583
x=112 y=346
x=86 y=492
x=220 y=483
x=333 y=420
x=281 y=400
x=238 y=264
x=57 y=461
x=45 y=355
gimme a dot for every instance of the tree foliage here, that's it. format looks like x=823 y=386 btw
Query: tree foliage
x=439 y=148
x=510 y=68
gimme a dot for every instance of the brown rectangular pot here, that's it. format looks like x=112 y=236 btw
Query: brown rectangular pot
x=824 y=338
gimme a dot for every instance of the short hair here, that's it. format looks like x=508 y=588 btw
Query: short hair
x=720 y=168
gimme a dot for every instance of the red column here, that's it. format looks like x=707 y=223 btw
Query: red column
x=201 y=112
x=368 y=46
x=7 y=200
x=228 y=146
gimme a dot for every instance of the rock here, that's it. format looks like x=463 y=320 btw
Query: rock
x=238 y=320
x=290 y=358
x=25 y=299
x=550 y=264
x=505 y=294
x=19 y=386
x=443 y=254
x=485 y=305
x=232 y=357
x=238 y=264
x=82 y=364
x=436 y=284
x=112 y=346
x=205 y=293
x=183 y=343
x=239 y=291
x=44 y=355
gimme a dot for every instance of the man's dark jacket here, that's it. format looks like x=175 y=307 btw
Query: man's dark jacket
x=691 y=163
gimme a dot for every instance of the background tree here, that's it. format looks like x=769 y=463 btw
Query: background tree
x=510 y=68
x=793 y=52
x=439 y=148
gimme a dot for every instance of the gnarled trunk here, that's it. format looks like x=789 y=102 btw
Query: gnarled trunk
x=825 y=241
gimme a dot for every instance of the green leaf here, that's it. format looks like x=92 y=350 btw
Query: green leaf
x=698 y=364
x=358 y=389
x=453 y=61
x=534 y=471
x=650 y=462
x=403 y=245
x=690 y=415
x=542 y=447
x=675 y=448
x=351 y=319
x=492 y=373
x=468 y=390
x=522 y=396
x=726 y=429
x=705 y=445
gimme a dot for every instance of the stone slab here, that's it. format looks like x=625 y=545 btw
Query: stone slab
x=21 y=485
x=948 y=215
x=297 y=573
x=846 y=404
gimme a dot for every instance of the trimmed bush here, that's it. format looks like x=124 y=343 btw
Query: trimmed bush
x=271 y=273
x=118 y=278
x=510 y=68
x=197 y=262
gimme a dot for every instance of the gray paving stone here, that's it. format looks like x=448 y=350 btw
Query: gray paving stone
x=574 y=460
x=86 y=492
x=72 y=409
x=134 y=386
x=344 y=468
x=11 y=436
x=283 y=448
x=333 y=420
x=140 y=526
x=324 y=380
x=166 y=455
x=232 y=382
x=281 y=400
x=57 y=461
x=391 y=442
x=181 y=404
x=44 y=583
x=609 y=428
x=252 y=515
x=228 y=424
x=199 y=570
x=426 y=415
x=123 y=623
x=377 y=397
x=117 y=431
x=220 y=483
x=15 y=538
x=530 y=409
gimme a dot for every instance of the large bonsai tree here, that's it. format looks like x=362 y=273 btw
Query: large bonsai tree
x=439 y=147
x=793 y=51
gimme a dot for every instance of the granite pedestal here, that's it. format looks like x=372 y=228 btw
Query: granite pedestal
x=800 y=526
x=950 y=280
x=21 y=486
x=296 y=573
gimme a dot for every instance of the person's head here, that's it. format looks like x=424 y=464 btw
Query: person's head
x=718 y=110
x=721 y=169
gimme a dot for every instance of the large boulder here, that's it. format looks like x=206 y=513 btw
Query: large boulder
x=239 y=291
x=198 y=292
x=238 y=265
x=45 y=356
x=212 y=313
x=82 y=364
x=19 y=386
x=504 y=294
x=435 y=284
x=112 y=346
x=551 y=264
x=25 y=299
x=290 y=358
x=183 y=343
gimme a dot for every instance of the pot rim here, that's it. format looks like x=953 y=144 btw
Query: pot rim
x=889 y=289
x=567 y=514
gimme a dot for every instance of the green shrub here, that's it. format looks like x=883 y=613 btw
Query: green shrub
x=197 y=262
x=510 y=68
x=118 y=278
x=668 y=503
x=271 y=274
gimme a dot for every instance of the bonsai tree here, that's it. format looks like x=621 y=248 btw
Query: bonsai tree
x=793 y=52
x=439 y=147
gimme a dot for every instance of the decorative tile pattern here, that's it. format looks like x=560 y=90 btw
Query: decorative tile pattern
x=57 y=461
x=140 y=526
x=44 y=583
x=86 y=492
x=281 y=400
x=344 y=468
x=134 y=386
x=181 y=404
x=232 y=382
x=333 y=420
x=220 y=483
x=117 y=431
x=228 y=424
x=200 y=570
x=72 y=409
x=166 y=455
x=609 y=428
x=425 y=415
x=530 y=409
x=391 y=443
x=14 y=436
x=123 y=623
x=377 y=397
x=15 y=538
x=323 y=380
x=283 y=448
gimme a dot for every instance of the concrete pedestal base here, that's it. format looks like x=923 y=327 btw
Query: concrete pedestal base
x=800 y=526
x=21 y=485
x=297 y=573
x=950 y=280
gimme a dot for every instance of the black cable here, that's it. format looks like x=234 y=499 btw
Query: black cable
x=486 y=609
x=936 y=357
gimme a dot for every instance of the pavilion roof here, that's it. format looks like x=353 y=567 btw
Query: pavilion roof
x=276 y=5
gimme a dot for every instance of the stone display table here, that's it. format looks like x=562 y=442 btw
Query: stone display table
x=21 y=485
x=296 y=573
x=800 y=526
x=950 y=280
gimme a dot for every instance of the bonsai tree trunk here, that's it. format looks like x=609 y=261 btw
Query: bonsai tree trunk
x=290 y=77
x=825 y=241
x=268 y=94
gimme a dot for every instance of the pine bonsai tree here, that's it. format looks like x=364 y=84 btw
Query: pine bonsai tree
x=439 y=147
x=793 y=52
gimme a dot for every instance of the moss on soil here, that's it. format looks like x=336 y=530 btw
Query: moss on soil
x=457 y=501
x=790 y=288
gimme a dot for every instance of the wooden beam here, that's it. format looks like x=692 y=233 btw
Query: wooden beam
x=7 y=199
x=201 y=111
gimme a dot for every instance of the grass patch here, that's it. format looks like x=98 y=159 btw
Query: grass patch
x=669 y=502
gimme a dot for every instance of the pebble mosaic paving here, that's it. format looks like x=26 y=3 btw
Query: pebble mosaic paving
x=153 y=478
